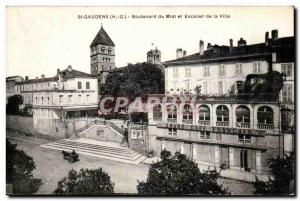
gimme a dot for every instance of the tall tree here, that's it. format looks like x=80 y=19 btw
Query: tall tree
x=13 y=104
x=177 y=174
x=19 y=167
x=85 y=182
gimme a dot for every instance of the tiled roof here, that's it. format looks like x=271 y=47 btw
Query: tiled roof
x=284 y=47
x=102 y=38
x=67 y=73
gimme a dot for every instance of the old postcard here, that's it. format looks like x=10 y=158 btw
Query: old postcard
x=150 y=100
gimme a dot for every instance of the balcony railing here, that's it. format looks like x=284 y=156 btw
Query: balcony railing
x=242 y=124
x=172 y=120
x=265 y=126
x=204 y=122
x=222 y=123
x=187 y=121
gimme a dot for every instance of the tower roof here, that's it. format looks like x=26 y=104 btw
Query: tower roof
x=102 y=38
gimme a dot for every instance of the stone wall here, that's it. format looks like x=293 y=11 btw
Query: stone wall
x=20 y=123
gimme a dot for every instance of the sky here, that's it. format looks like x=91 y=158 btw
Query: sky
x=41 y=39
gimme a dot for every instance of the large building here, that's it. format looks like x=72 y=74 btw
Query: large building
x=102 y=55
x=70 y=94
x=219 y=128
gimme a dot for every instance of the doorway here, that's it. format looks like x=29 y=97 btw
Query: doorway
x=244 y=160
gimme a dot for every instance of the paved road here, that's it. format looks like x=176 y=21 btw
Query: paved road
x=51 y=167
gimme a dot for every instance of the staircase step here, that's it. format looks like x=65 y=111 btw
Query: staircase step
x=96 y=147
x=110 y=153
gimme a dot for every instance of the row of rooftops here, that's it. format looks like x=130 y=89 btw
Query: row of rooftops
x=283 y=47
x=65 y=74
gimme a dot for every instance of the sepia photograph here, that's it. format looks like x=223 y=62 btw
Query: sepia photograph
x=150 y=101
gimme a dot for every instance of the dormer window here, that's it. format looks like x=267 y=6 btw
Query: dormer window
x=109 y=51
x=102 y=50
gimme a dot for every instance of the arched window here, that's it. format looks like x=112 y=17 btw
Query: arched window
x=204 y=115
x=157 y=112
x=187 y=114
x=222 y=115
x=172 y=113
x=265 y=118
x=242 y=117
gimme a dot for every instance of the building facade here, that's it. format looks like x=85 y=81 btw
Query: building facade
x=70 y=94
x=220 y=129
x=102 y=55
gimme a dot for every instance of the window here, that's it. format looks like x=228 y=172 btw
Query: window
x=265 y=115
x=256 y=67
x=286 y=69
x=42 y=100
x=87 y=85
x=102 y=51
x=187 y=72
x=175 y=72
x=238 y=69
x=205 y=135
x=222 y=113
x=221 y=70
x=172 y=131
x=287 y=93
x=109 y=51
x=172 y=112
x=157 y=112
x=242 y=114
x=70 y=99
x=79 y=85
x=204 y=113
x=187 y=112
x=79 y=98
x=240 y=86
x=87 y=98
x=220 y=87
x=245 y=139
x=187 y=86
x=206 y=71
x=48 y=100
x=36 y=100
x=61 y=99
x=205 y=88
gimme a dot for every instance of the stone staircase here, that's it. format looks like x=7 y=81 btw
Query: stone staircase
x=104 y=150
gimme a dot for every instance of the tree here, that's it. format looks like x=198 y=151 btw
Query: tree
x=177 y=174
x=19 y=167
x=283 y=170
x=135 y=80
x=198 y=89
x=85 y=182
x=13 y=104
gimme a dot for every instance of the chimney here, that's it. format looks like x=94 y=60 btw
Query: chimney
x=274 y=34
x=42 y=76
x=208 y=46
x=69 y=68
x=201 y=47
x=231 y=44
x=184 y=53
x=267 y=38
x=178 y=53
x=242 y=42
x=26 y=78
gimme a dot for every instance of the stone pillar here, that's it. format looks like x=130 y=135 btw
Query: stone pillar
x=258 y=162
x=217 y=159
x=194 y=151
x=162 y=145
x=231 y=157
x=231 y=116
